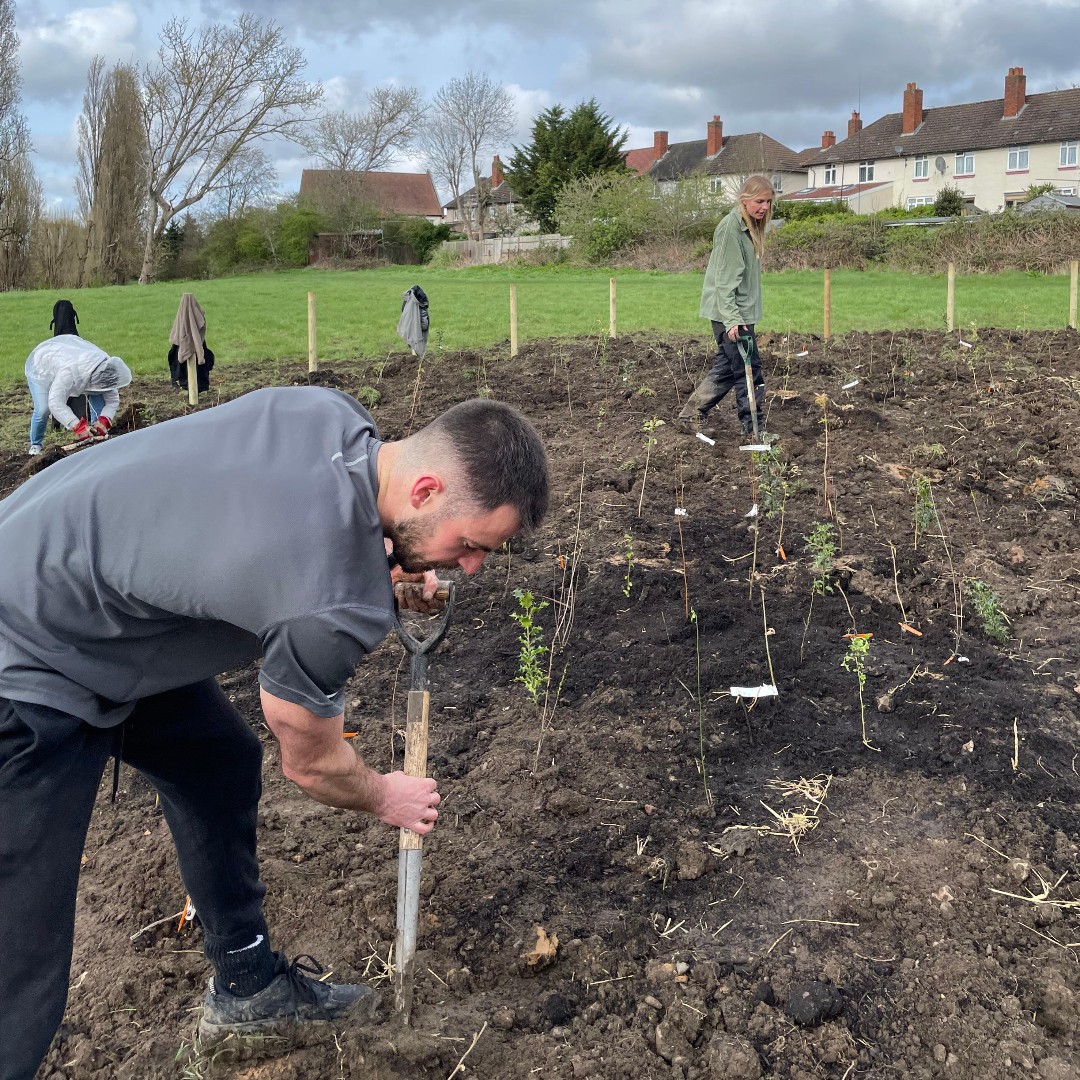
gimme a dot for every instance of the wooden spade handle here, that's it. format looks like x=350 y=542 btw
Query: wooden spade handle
x=416 y=747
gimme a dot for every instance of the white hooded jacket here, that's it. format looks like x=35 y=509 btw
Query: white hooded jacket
x=70 y=365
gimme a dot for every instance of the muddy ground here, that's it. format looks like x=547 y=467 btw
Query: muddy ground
x=642 y=875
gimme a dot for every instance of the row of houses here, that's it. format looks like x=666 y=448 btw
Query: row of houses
x=993 y=152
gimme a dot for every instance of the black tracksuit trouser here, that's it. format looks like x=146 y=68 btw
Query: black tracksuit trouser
x=205 y=763
x=728 y=372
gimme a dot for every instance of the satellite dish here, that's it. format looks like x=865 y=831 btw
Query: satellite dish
x=899 y=150
x=939 y=164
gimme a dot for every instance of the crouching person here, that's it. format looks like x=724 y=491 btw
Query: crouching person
x=64 y=367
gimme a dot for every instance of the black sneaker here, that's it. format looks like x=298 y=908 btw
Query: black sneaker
x=291 y=998
x=688 y=425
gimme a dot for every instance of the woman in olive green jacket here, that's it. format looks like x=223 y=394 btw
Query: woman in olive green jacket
x=731 y=299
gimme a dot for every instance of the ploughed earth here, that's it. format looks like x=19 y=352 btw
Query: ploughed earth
x=645 y=872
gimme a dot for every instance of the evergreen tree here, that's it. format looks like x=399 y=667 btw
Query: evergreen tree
x=565 y=147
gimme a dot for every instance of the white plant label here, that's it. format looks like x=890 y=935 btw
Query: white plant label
x=768 y=690
x=705 y=438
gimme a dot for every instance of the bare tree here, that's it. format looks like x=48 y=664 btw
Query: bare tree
x=211 y=94
x=20 y=192
x=482 y=113
x=371 y=140
x=248 y=180
x=445 y=152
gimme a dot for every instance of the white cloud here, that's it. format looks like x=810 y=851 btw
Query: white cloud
x=56 y=51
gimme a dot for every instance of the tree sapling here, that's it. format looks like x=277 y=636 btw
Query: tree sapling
x=531 y=672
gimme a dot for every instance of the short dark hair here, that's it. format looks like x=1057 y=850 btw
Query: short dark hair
x=501 y=456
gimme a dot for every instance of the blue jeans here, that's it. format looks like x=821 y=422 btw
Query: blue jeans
x=39 y=420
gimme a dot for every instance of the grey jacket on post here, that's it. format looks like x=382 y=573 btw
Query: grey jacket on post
x=414 y=322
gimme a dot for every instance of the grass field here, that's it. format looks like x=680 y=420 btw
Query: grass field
x=256 y=316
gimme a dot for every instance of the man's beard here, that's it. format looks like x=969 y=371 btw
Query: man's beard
x=408 y=538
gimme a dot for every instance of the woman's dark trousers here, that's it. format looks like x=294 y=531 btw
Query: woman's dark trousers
x=728 y=372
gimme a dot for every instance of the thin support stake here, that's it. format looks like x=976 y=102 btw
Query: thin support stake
x=950 y=299
x=611 y=308
x=312 y=358
x=828 y=303
x=513 y=321
x=1074 y=273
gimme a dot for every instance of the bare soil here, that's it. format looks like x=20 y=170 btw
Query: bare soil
x=726 y=887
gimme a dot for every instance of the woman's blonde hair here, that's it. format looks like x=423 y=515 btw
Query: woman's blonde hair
x=756 y=187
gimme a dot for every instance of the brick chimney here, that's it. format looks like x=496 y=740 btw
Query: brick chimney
x=1015 y=91
x=913 y=110
x=715 y=137
x=659 y=142
x=854 y=125
x=827 y=139
x=496 y=172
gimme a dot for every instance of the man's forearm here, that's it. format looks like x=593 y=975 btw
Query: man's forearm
x=340 y=778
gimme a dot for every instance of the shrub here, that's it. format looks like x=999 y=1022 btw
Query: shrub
x=949 y=203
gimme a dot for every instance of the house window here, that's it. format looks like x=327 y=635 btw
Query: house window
x=1067 y=191
x=1018 y=159
x=777 y=182
x=866 y=172
x=922 y=168
x=1067 y=158
x=830 y=174
x=965 y=164
x=716 y=185
x=919 y=200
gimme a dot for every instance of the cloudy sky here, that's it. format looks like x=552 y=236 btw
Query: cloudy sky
x=789 y=68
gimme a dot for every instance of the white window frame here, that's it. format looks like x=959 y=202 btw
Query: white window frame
x=922 y=168
x=1067 y=155
x=830 y=175
x=866 y=172
x=1018 y=159
x=919 y=200
x=965 y=163
x=716 y=185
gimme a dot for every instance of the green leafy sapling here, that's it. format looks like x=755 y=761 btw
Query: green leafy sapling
x=855 y=658
x=531 y=672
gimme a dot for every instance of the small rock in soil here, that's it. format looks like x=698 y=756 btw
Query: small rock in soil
x=813 y=1003
x=764 y=992
x=672 y=1044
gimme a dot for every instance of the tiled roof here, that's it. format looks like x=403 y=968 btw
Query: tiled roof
x=834 y=191
x=412 y=194
x=980 y=125
x=739 y=155
x=640 y=160
x=503 y=195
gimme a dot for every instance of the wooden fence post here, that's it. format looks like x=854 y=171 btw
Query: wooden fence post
x=950 y=299
x=312 y=358
x=828 y=302
x=513 y=321
x=611 y=307
x=1074 y=267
